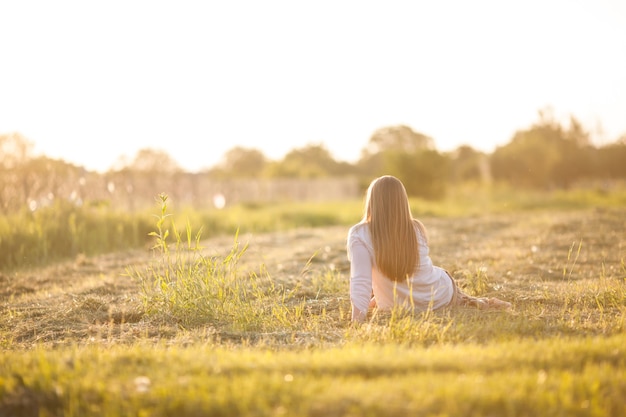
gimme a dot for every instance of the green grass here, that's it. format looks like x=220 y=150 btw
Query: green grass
x=554 y=376
x=471 y=200
x=62 y=231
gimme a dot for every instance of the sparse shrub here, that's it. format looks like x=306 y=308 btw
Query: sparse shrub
x=476 y=283
x=185 y=285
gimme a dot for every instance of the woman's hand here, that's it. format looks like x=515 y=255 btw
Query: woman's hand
x=360 y=316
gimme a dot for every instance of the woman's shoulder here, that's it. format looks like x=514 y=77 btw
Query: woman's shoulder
x=359 y=230
x=359 y=234
x=418 y=223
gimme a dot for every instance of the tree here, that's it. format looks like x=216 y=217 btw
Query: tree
x=310 y=161
x=527 y=160
x=408 y=155
x=610 y=161
x=153 y=161
x=544 y=155
x=241 y=162
x=34 y=180
x=424 y=173
x=398 y=138
x=15 y=149
x=469 y=164
x=15 y=152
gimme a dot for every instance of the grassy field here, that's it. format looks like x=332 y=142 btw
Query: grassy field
x=256 y=322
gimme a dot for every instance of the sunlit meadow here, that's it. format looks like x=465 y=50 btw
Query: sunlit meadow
x=246 y=312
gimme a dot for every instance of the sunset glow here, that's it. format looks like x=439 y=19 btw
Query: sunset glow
x=90 y=82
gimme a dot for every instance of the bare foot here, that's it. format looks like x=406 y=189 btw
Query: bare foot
x=498 y=304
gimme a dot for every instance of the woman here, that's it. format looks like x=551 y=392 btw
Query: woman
x=388 y=253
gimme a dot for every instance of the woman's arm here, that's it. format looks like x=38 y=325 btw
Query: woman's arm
x=360 y=279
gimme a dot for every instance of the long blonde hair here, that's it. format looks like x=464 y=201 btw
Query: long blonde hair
x=392 y=227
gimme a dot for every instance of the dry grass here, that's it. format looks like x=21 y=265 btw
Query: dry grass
x=563 y=268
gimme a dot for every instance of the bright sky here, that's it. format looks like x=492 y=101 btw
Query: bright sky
x=91 y=81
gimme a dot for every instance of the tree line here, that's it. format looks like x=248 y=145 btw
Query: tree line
x=546 y=155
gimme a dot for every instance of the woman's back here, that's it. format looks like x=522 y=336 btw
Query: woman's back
x=427 y=287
